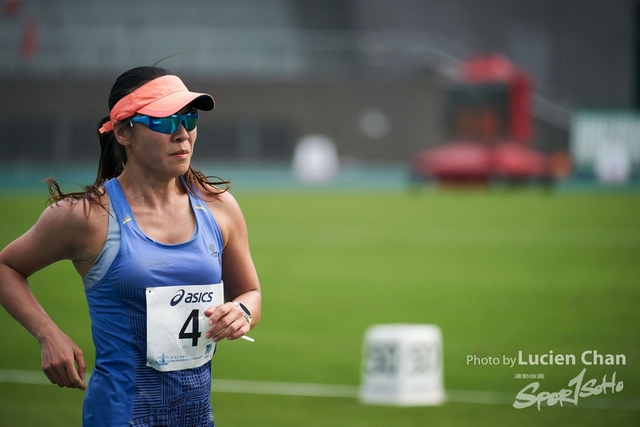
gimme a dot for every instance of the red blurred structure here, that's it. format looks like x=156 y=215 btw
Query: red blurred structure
x=10 y=7
x=29 y=38
x=488 y=114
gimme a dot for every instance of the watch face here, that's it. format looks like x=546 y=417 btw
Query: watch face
x=244 y=308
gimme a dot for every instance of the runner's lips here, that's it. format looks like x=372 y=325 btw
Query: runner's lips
x=179 y=153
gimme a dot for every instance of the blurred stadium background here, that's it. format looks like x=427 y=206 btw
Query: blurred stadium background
x=372 y=75
x=395 y=94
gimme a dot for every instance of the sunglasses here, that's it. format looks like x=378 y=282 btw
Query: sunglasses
x=169 y=125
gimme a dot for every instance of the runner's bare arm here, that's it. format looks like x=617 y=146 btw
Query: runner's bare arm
x=63 y=231
x=239 y=274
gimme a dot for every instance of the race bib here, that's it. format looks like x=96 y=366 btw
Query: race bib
x=176 y=325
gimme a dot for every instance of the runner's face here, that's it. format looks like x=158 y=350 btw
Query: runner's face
x=165 y=153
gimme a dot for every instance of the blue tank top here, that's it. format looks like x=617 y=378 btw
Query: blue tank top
x=122 y=390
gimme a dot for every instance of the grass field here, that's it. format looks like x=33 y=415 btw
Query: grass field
x=499 y=272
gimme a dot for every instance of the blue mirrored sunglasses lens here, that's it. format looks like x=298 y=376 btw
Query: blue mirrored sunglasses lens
x=171 y=124
x=190 y=123
x=166 y=125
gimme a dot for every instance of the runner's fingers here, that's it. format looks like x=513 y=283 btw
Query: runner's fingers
x=221 y=319
x=217 y=325
x=67 y=380
x=216 y=313
x=216 y=329
x=241 y=327
x=217 y=333
x=237 y=335
x=231 y=331
x=82 y=366
x=50 y=376
x=65 y=375
x=56 y=377
x=74 y=380
x=211 y=310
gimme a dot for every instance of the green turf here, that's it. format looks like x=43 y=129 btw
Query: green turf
x=498 y=271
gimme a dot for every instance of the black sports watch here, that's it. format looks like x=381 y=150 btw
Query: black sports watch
x=245 y=311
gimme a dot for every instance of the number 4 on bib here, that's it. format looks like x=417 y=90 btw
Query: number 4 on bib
x=194 y=324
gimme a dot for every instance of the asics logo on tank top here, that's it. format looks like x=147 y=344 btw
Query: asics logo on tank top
x=215 y=253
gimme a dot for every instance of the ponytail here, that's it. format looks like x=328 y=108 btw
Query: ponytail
x=113 y=156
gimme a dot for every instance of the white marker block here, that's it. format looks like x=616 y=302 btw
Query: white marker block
x=402 y=365
x=315 y=159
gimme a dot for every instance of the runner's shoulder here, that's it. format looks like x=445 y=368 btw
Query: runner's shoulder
x=79 y=215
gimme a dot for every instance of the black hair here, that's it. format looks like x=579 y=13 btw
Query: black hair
x=113 y=156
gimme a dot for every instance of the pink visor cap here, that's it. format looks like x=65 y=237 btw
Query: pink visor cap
x=160 y=97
